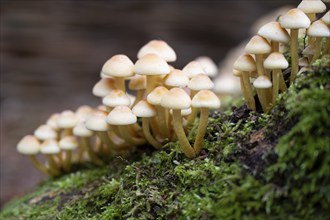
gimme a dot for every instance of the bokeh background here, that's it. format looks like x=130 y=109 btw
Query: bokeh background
x=52 y=53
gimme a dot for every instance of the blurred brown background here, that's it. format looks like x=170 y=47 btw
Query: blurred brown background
x=52 y=52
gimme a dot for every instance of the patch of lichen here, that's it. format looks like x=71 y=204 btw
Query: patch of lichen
x=253 y=166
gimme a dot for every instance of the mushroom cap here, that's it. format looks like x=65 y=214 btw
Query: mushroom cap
x=97 y=121
x=144 y=109
x=50 y=147
x=67 y=119
x=151 y=64
x=176 y=78
x=326 y=18
x=262 y=82
x=227 y=84
x=176 y=98
x=276 y=60
x=309 y=50
x=68 y=143
x=273 y=31
x=295 y=19
x=200 y=82
x=83 y=112
x=245 y=63
x=115 y=98
x=121 y=115
x=237 y=73
x=193 y=68
x=118 y=66
x=137 y=82
x=208 y=65
x=80 y=130
x=312 y=6
x=45 y=132
x=52 y=121
x=156 y=95
x=303 y=62
x=159 y=47
x=318 y=29
x=29 y=145
x=205 y=99
x=184 y=112
x=258 y=45
x=103 y=87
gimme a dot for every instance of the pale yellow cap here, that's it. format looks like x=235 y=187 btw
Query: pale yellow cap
x=262 y=82
x=80 y=130
x=118 y=66
x=176 y=98
x=50 y=147
x=276 y=60
x=29 y=145
x=68 y=143
x=151 y=64
x=200 y=82
x=103 y=87
x=144 y=109
x=52 y=121
x=97 y=121
x=295 y=19
x=312 y=6
x=245 y=63
x=83 y=112
x=318 y=29
x=121 y=115
x=45 y=132
x=258 y=45
x=193 y=68
x=208 y=65
x=67 y=119
x=156 y=95
x=115 y=98
x=205 y=99
x=159 y=47
x=176 y=78
x=274 y=31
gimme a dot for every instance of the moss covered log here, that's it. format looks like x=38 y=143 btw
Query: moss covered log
x=253 y=166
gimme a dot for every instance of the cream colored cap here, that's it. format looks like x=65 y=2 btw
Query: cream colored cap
x=50 y=147
x=159 y=47
x=29 y=145
x=67 y=119
x=138 y=82
x=151 y=64
x=318 y=29
x=326 y=18
x=45 y=132
x=258 y=45
x=103 y=87
x=156 y=95
x=176 y=98
x=97 y=121
x=273 y=31
x=245 y=63
x=205 y=99
x=184 y=112
x=276 y=60
x=262 y=82
x=83 y=112
x=227 y=84
x=312 y=6
x=309 y=50
x=208 y=65
x=144 y=109
x=121 y=115
x=80 y=130
x=115 y=98
x=193 y=68
x=118 y=66
x=176 y=78
x=52 y=121
x=200 y=82
x=295 y=19
x=68 y=143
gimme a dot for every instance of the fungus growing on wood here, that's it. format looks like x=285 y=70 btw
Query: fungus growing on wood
x=318 y=30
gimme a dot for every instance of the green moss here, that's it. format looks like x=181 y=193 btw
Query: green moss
x=253 y=166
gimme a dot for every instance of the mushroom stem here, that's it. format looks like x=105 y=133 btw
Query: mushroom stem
x=124 y=133
x=120 y=83
x=85 y=142
x=275 y=46
x=161 y=113
x=67 y=160
x=201 y=130
x=326 y=49
x=105 y=139
x=147 y=134
x=282 y=85
x=151 y=83
x=294 y=54
x=259 y=63
x=183 y=140
x=262 y=99
x=38 y=165
x=317 y=49
x=191 y=118
x=276 y=80
x=247 y=91
x=52 y=165
x=139 y=97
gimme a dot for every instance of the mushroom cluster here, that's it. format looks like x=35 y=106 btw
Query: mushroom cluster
x=167 y=100
x=261 y=67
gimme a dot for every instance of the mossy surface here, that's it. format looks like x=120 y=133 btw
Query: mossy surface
x=253 y=166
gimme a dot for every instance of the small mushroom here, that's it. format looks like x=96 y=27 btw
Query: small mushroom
x=116 y=98
x=45 y=132
x=208 y=65
x=50 y=149
x=103 y=87
x=159 y=47
x=68 y=144
x=262 y=83
x=84 y=135
x=326 y=19
x=319 y=30
x=176 y=78
x=275 y=33
x=67 y=121
x=311 y=8
x=193 y=68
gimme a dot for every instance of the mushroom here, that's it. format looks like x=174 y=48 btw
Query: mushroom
x=208 y=65
x=276 y=62
x=312 y=7
x=177 y=99
x=204 y=100
x=67 y=121
x=83 y=112
x=84 y=135
x=309 y=51
x=115 y=98
x=68 y=144
x=145 y=110
x=52 y=122
x=318 y=29
x=193 y=68
x=122 y=116
x=119 y=67
x=138 y=83
x=326 y=19
x=45 y=132
x=154 y=98
x=176 y=78
x=50 y=148
x=246 y=65
x=152 y=66
x=30 y=146
x=159 y=47
x=294 y=20
x=261 y=83
x=103 y=87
